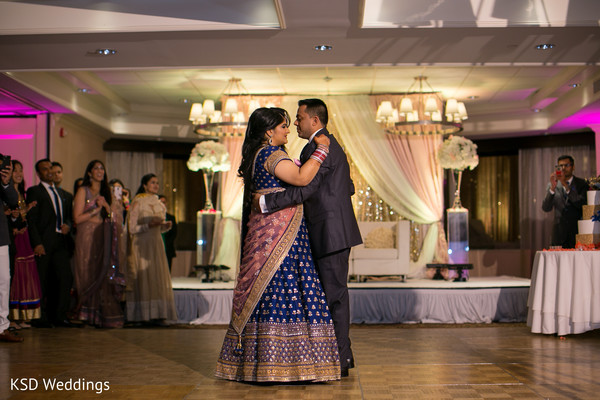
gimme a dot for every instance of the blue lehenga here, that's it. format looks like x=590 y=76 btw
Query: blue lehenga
x=281 y=329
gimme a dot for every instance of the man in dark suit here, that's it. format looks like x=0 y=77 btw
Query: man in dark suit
x=566 y=194
x=330 y=219
x=57 y=177
x=49 y=224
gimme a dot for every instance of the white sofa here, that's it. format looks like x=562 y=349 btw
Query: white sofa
x=382 y=261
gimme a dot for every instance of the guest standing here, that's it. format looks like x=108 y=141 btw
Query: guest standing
x=97 y=281
x=49 y=223
x=280 y=329
x=8 y=196
x=57 y=177
x=566 y=194
x=150 y=294
x=25 y=289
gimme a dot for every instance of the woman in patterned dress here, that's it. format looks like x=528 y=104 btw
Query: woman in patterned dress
x=281 y=329
x=97 y=280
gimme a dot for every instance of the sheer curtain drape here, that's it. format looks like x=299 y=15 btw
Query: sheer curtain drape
x=231 y=192
x=535 y=167
x=129 y=167
x=386 y=163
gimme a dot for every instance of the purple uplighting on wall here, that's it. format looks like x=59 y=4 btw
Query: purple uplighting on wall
x=4 y=113
x=17 y=100
x=16 y=137
x=584 y=118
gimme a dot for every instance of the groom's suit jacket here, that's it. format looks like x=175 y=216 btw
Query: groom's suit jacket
x=327 y=202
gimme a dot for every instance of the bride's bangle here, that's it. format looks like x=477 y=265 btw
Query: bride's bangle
x=320 y=154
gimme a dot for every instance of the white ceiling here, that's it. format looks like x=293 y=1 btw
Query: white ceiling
x=480 y=51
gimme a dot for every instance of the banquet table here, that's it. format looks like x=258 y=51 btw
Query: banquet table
x=564 y=296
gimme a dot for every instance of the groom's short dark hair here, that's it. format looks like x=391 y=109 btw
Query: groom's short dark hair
x=316 y=107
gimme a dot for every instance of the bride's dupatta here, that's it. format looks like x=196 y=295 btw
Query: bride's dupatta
x=266 y=245
x=267 y=239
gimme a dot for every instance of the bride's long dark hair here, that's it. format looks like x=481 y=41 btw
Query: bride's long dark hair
x=261 y=120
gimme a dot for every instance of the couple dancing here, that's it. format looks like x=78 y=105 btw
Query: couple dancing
x=290 y=317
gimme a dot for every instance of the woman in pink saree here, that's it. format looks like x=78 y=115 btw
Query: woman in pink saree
x=281 y=329
x=25 y=288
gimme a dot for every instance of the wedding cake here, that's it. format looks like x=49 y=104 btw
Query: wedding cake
x=589 y=230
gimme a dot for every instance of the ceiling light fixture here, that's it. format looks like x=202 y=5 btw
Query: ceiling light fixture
x=102 y=52
x=231 y=120
x=84 y=90
x=544 y=46
x=575 y=85
x=323 y=47
x=420 y=112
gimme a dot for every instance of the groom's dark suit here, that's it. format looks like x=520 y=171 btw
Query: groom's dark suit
x=332 y=228
x=54 y=267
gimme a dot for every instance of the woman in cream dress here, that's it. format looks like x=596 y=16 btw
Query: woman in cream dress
x=149 y=291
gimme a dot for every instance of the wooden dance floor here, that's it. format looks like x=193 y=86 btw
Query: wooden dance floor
x=416 y=361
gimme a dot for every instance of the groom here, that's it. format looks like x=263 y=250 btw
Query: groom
x=330 y=219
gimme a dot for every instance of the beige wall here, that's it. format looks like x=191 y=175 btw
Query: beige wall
x=74 y=143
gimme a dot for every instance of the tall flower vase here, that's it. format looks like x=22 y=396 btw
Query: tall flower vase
x=458 y=179
x=209 y=176
x=458 y=234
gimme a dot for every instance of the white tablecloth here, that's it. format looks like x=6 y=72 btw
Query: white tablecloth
x=564 y=296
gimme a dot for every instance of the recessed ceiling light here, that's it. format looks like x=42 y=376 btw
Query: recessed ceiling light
x=472 y=97
x=536 y=110
x=102 y=52
x=84 y=90
x=185 y=101
x=323 y=47
x=544 y=46
x=574 y=85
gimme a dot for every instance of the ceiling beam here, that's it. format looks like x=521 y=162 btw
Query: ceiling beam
x=100 y=87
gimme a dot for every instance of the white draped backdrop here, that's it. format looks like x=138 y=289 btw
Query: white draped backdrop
x=130 y=167
x=382 y=159
x=402 y=169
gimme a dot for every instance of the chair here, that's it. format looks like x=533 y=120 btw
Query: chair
x=366 y=259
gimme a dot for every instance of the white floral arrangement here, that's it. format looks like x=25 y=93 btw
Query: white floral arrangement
x=458 y=153
x=209 y=155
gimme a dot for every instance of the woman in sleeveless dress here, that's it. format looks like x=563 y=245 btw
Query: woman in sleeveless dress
x=97 y=280
x=281 y=329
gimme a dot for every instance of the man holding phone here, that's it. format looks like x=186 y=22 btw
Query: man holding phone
x=9 y=196
x=566 y=194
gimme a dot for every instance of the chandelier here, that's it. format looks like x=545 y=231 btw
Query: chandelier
x=419 y=112
x=232 y=120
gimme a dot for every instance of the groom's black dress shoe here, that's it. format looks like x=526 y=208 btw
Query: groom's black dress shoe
x=344 y=372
